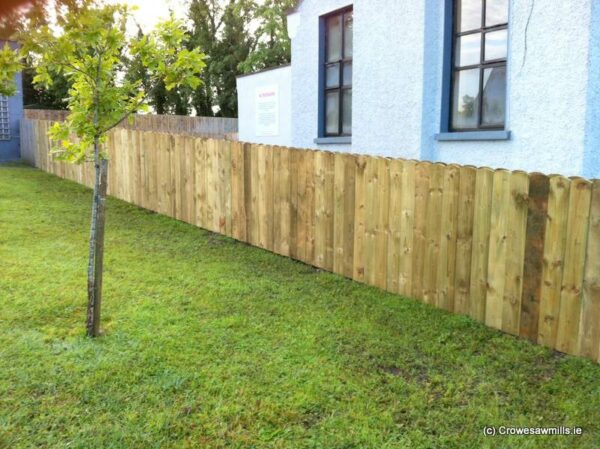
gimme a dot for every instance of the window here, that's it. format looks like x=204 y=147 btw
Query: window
x=4 y=119
x=478 y=98
x=337 y=75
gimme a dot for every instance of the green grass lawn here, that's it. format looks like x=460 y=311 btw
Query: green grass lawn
x=211 y=343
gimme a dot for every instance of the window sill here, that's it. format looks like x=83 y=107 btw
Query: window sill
x=333 y=140
x=472 y=136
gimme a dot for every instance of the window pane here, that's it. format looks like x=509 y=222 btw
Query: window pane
x=348 y=22
x=332 y=75
x=494 y=96
x=347 y=111
x=348 y=74
x=465 y=102
x=332 y=111
x=469 y=14
x=334 y=38
x=495 y=45
x=468 y=50
x=496 y=12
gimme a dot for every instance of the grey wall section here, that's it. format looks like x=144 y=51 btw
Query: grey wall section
x=246 y=87
x=399 y=48
x=10 y=149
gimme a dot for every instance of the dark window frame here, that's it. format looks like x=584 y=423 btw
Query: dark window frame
x=324 y=64
x=482 y=66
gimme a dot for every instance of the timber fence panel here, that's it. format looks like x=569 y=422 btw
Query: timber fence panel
x=519 y=252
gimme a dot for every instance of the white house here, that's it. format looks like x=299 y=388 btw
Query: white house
x=499 y=83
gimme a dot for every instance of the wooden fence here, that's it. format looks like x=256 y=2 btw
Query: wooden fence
x=519 y=252
x=215 y=127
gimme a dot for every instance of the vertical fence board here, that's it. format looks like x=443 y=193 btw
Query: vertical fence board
x=554 y=257
x=464 y=242
x=294 y=163
x=224 y=185
x=394 y=252
x=238 y=201
x=589 y=332
x=324 y=185
x=265 y=196
x=190 y=179
x=406 y=228
x=178 y=175
x=372 y=205
x=422 y=174
x=200 y=182
x=382 y=228
x=252 y=211
x=539 y=186
x=501 y=202
x=358 y=259
x=338 y=213
x=567 y=337
x=282 y=201
x=515 y=252
x=432 y=234
x=446 y=274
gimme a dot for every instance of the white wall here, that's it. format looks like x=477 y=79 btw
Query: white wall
x=247 y=86
x=547 y=90
x=397 y=88
x=388 y=77
x=305 y=74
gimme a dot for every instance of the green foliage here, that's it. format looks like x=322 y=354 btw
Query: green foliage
x=272 y=44
x=215 y=344
x=10 y=65
x=222 y=31
x=89 y=52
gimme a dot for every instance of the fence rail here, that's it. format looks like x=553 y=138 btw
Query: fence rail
x=216 y=127
x=519 y=252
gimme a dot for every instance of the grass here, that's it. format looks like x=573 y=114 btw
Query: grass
x=210 y=343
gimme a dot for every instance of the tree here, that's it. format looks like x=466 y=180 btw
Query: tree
x=222 y=31
x=272 y=46
x=88 y=52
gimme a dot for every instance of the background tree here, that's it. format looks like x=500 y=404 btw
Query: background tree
x=272 y=45
x=89 y=52
x=222 y=31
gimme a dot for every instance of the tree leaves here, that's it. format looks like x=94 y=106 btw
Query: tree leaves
x=89 y=52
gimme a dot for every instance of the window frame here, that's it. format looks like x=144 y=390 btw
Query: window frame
x=324 y=64
x=483 y=30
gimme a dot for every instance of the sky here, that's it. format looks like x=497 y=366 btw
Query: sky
x=151 y=12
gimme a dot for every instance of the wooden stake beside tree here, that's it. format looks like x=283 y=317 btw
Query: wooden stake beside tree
x=89 y=50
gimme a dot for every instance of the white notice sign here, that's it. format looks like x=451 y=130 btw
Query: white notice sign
x=267 y=111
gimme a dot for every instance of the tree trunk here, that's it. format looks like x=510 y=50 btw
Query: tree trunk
x=96 y=255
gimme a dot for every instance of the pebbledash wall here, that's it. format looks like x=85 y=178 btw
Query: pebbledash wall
x=553 y=84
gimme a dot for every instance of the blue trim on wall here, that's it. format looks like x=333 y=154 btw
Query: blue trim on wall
x=591 y=146
x=437 y=36
x=321 y=94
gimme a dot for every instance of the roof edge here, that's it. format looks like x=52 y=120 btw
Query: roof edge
x=268 y=69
